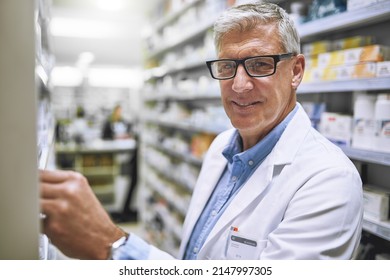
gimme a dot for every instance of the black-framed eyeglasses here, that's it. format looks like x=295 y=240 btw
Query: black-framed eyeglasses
x=256 y=66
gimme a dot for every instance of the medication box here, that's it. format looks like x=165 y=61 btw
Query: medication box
x=337 y=128
x=383 y=69
x=376 y=203
x=317 y=47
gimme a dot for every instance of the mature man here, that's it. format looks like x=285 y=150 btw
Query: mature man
x=271 y=188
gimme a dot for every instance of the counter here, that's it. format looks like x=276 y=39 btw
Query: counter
x=109 y=167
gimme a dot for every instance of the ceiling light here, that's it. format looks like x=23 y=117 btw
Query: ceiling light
x=111 y=5
x=83 y=28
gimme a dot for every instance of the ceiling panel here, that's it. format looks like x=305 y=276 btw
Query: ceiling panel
x=114 y=37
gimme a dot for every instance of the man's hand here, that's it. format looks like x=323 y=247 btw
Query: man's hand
x=75 y=222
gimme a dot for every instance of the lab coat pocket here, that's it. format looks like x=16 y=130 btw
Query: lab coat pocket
x=242 y=247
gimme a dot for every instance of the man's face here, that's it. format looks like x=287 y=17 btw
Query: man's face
x=256 y=105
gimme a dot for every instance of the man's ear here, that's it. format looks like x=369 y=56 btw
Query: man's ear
x=298 y=71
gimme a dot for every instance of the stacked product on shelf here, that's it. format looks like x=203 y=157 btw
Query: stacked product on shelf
x=358 y=59
x=377 y=220
x=44 y=60
x=368 y=128
x=181 y=116
x=44 y=64
x=347 y=69
x=372 y=122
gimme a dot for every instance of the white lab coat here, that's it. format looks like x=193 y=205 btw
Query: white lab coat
x=303 y=202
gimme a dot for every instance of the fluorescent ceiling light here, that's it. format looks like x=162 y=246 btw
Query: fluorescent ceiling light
x=66 y=76
x=83 y=28
x=115 y=77
x=111 y=5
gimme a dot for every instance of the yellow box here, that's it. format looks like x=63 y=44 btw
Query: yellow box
x=331 y=58
x=329 y=74
x=311 y=61
x=364 y=70
x=317 y=47
x=353 y=42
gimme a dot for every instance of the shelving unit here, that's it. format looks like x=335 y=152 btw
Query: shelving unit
x=371 y=14
x=26 y=124
x=176 y=130
x=374 y=19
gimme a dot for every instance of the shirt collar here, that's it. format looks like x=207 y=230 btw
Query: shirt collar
x=257 y=153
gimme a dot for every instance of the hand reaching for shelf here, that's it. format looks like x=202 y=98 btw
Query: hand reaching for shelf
x=75 y=222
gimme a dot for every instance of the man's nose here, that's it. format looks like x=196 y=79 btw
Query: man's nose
x=242 y=82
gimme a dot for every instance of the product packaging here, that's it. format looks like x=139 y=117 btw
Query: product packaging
x=383 y=69
x=337 y=128
x=382 y=119
x=364 y=122
x=376 y=203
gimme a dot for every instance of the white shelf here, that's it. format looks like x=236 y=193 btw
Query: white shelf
x=187 y=126
x=169 y=195
x=183 y=156
x=177 y=96
x=378 y=228
x=175 y=15
x=367 y=156
x=347 y=85
x=161 y=71
x=189 y=37
x=161 y=171
x=347 y=20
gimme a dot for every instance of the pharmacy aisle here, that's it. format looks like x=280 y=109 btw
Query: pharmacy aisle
x=59 y=100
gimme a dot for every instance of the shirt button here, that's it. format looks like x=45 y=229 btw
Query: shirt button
x=196 y=250
x=250 y=162
x=234 y=178
x=213 y=213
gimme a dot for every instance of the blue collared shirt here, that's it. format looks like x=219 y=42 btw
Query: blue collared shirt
x=240 y=167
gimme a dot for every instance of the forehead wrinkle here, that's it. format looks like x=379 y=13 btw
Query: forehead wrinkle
x=261 y=40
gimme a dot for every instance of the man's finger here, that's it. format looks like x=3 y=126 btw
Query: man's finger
x=53 y=176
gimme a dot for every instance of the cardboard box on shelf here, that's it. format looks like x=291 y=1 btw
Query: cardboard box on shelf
x=337 y=128
x=371 y=53
x=376 y=203
x=317 y=47
x=383 y=69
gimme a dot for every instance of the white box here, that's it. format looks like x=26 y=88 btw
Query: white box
x=337 y=128
x=376 y=203
x=383 y=69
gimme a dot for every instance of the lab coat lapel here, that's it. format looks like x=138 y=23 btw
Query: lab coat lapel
x=202 y=192
x=282 y=154
x=252 y=189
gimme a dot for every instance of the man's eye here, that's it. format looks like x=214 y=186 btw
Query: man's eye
x=225 y=67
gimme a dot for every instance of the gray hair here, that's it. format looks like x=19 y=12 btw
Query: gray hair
x=245 y=17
